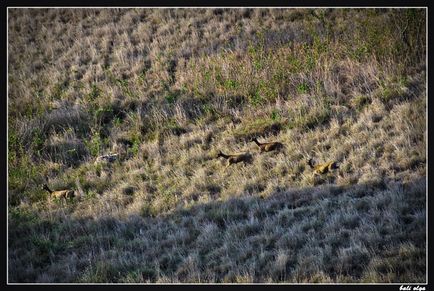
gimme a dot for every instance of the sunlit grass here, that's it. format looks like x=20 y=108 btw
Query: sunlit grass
x=167 y=89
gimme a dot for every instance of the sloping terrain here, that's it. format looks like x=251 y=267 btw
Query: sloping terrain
x=167 y=90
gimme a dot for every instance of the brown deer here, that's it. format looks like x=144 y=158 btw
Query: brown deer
x=268 y=146
x=61 y=193
x=322 y=168
x=237 y=158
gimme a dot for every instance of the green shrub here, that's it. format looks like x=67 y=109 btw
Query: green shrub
x=95 y=144
x=94 y=93
x=59 y=90
x=256 y=99
x=303 y=88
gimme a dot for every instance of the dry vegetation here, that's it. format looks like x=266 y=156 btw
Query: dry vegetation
x=167 y=89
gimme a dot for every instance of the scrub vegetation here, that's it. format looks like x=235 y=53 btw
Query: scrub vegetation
x=165 y=91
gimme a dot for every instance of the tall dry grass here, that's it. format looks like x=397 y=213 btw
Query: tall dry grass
x=168 y=89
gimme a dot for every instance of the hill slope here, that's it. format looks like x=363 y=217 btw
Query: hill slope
x=167 y=89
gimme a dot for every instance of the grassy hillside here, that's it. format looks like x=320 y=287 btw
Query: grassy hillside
x=167 y=89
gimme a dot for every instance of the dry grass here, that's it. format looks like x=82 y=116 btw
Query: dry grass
x=168 y=89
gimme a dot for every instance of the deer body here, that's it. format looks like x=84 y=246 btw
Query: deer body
x=322 y=168
x=61 y=193
x=110 y=158
x=233 y=159
x=268 y=146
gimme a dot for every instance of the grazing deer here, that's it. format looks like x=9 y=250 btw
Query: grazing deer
x=233 y=159
x=61 y=193
x=110 y=158
x=268 y=146
x=322 y=168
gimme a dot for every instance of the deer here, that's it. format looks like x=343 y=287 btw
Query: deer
x=322 y=168
x=64 y=194
x=268 y=146
x=236 y=158
x=60 y=193
x=110 y=158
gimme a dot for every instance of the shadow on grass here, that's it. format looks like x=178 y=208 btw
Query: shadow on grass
x=373 y=232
